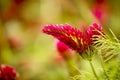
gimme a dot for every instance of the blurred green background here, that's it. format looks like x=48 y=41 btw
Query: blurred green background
x=34 y=54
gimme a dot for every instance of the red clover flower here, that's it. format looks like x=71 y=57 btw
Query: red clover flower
x=73 y=37
x=7 y=73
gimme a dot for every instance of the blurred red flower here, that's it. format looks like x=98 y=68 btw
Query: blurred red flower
x=7 y=73
x=100 y=10
x=15 y=43
x=18 y=1
x=63 y=49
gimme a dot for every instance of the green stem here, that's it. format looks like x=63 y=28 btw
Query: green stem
x=107 y=77
x=93 y=70
x=113 y=35
x=72 y=69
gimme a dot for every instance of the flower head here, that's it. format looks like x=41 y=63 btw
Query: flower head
x=94 y=29
x=73 y=37
x=67 y=34
x=7 y=73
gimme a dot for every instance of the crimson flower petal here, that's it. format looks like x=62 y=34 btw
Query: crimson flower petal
x=67 y=34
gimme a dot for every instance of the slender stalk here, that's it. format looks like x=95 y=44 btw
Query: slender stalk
x=107 y=77
x=113 y=35
x=91 y=65
x=72 y=69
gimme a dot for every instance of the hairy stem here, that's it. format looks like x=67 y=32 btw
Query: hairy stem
x=72 y=69
x=93 y=70
x=114 y=35
x=102 y=64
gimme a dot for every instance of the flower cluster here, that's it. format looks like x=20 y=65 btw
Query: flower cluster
x=7 y=73
x=73 y=37
x=93 y=30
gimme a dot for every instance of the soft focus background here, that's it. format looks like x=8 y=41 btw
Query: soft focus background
x=34 y=54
